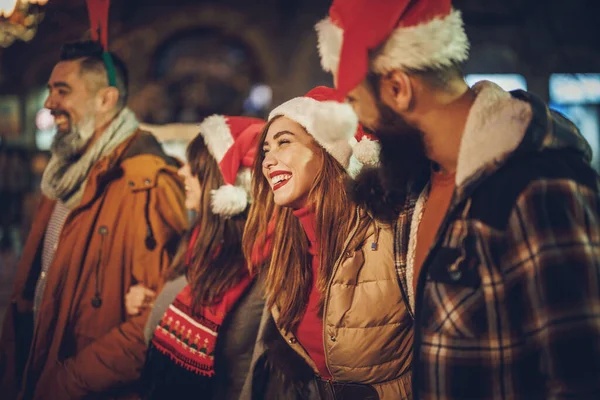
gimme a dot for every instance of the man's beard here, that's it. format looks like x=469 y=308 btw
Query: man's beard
x=70 y=144
x=403 y=168
x=403 y=158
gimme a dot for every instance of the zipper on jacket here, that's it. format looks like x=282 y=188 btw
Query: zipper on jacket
x=331 y=388
x=375 y=242
x=97 y=299
x=149 y=241
x=327 y=294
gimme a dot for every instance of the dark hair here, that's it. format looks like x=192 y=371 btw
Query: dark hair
x=436 y=77
x=217 y=263
x=90 y=54
x=439 y=77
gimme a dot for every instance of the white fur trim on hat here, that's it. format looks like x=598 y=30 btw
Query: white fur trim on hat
x=354 y=167
x=367 y=152
x=330 y=123
x=437 y=43
x=364 y=153
x=217 y=136
x=243 y=179
x=229 y=200
x=330 y=38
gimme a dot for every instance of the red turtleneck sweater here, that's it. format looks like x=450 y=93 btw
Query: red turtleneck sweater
x=310 y=329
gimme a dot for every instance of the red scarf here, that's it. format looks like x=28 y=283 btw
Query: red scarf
x=188 y=339
x=310 y=330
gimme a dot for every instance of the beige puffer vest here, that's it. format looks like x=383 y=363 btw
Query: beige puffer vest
x=368 y=330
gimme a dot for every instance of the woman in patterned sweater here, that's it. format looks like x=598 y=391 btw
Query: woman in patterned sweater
x=203 y=324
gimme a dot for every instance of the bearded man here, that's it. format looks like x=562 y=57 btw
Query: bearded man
x=498 y=234
x=111 y=215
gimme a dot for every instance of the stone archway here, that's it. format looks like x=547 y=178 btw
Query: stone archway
x=140 y=47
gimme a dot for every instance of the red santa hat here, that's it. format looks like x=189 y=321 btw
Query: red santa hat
x=406 y=34
x=232 y=141
x=334 y=125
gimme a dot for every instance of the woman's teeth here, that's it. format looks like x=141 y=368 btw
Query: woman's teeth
x=280 y=178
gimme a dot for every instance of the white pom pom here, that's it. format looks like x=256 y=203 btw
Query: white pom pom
x=367 y=152
x=354 y=167
x=229 y=200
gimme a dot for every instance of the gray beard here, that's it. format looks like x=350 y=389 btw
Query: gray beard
x=71 y=144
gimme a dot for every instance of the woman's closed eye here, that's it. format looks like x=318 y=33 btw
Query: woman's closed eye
x=279 y=142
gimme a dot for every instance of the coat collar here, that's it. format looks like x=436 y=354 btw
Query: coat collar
x=496 y=125
x=111 y=166
x=104 y=171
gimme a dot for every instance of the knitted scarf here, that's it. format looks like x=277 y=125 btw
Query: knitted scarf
x=181 y=355
x=64 y=180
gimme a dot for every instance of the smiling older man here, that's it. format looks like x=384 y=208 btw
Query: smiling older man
x=111 y=214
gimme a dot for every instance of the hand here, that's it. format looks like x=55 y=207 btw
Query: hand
x=138 y=299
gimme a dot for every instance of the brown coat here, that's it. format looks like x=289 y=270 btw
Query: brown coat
x=368 y=329
x=124 y=231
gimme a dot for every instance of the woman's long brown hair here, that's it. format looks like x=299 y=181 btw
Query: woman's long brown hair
x=289 y=272
x=217 y=263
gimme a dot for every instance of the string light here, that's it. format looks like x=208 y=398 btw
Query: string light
x=19 y=20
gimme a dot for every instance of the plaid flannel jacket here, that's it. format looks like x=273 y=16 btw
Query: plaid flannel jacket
x=508 y=299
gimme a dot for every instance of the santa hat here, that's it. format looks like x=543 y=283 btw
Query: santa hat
x=407 y=34
x=334 y=125
x=232 y=141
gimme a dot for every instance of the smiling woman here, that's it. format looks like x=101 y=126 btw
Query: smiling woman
x=203 y=324
x=291 y=162
x=331 y=264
